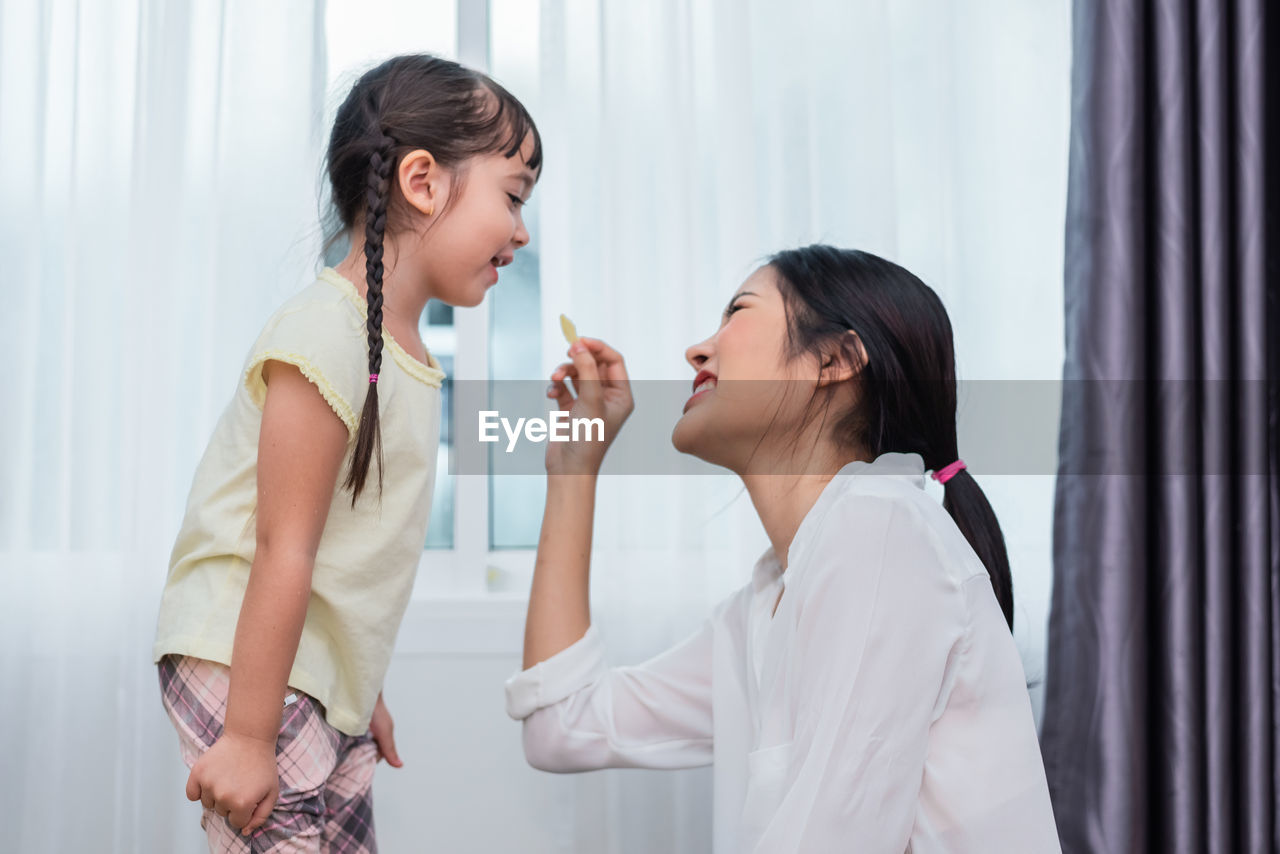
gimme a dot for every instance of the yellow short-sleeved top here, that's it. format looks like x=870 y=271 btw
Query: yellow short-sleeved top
x=368 y=555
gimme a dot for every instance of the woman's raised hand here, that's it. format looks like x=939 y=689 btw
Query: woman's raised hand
x=604 y=392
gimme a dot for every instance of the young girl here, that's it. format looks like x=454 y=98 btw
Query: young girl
x=290 y=576
x=863 y=692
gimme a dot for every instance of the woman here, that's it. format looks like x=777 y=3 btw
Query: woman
x=863 y=692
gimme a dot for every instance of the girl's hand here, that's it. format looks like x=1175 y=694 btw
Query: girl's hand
x=604 y=391
x=237 y=778
x=380 y=727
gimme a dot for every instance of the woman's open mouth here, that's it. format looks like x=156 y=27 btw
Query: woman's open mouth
x=703 y=384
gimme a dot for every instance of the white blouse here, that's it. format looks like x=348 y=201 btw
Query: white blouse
x=883 y=708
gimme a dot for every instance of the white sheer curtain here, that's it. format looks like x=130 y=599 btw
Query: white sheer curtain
x=158 y=172
x=687 y=139
x=158 y=166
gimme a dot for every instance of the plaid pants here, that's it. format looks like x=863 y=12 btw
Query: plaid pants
x=326 y=800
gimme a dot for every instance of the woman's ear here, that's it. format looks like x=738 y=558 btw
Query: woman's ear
x=840 y=366
x=422 y=180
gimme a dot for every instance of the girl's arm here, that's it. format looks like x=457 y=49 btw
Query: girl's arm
x=300 y=451
x=301 y=447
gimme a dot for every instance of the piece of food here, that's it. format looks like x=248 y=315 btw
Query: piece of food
x=566 y=326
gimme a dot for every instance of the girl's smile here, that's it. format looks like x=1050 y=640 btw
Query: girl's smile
x=495 y=263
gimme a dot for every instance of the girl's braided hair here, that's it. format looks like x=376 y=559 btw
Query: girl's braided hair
x=408 y=103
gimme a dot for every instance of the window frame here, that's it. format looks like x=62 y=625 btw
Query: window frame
x=472 y=569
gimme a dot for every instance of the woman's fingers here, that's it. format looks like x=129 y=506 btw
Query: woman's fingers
x=560 y=394
x=612 y=367
x=595 y=368
x=585 y=362
x=558 y=388
x=564 y=369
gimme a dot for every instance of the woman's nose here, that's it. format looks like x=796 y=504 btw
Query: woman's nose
x=698 y=354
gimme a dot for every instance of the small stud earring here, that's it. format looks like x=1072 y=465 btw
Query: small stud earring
x=431 y=210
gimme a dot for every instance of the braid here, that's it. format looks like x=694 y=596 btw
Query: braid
x=377 y=193
x=407 y=103
x=375 y=226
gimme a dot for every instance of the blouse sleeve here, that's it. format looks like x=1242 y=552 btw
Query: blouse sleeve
x=877 y=622
x=324 y=342
x=580 y=715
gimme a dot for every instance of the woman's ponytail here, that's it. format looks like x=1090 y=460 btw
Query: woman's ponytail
x=906 y=382
x=968 y=506
x=369 y=436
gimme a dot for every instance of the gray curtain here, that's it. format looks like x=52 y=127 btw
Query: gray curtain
x=1163 y=684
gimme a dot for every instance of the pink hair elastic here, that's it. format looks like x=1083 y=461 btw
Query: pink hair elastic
x=373 y=378
x=946 y=473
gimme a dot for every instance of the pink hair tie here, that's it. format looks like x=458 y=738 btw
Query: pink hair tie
x=373 y=378
x=946 y=473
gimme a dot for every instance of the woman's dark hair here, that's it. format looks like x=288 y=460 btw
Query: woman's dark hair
x=906 y=390
x=408 y=103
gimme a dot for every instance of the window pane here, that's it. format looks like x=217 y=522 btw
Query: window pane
x=515 y=346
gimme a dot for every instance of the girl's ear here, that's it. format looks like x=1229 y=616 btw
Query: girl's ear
x=422 y=180
x=840 y=366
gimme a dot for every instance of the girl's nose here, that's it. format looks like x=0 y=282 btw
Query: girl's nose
x=521 y=237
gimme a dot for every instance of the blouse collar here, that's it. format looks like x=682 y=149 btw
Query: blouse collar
x=907 y=467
